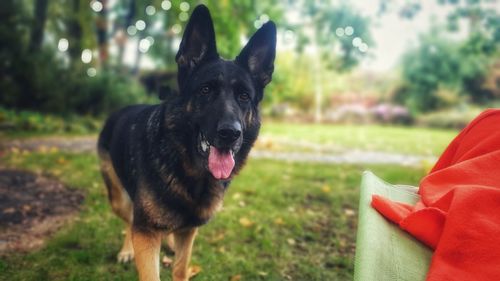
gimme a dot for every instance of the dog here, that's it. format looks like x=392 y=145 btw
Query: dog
x=167 y=166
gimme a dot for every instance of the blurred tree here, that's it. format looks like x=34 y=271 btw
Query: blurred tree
x=434 y=62
x=350 y=30
x=38 y=28
x=336 y=35
x=441 y=72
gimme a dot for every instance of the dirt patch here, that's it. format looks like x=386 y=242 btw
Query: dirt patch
x=32 y=207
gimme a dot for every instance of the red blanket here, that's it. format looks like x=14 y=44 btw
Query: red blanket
x=458 y=214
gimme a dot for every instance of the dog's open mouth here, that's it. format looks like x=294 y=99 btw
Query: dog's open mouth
x=220 y=162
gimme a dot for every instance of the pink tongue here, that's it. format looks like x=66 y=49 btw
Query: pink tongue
x=220 y=164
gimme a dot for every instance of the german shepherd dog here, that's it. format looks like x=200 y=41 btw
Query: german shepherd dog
x=167 y=166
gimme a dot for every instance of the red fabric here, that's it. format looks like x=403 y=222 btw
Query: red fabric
x=458 y=214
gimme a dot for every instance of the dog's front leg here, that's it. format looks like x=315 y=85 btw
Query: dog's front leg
x=147 y=254
x=183 y=246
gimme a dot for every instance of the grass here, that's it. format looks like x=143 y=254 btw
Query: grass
x=281 y=221
x=411 y=140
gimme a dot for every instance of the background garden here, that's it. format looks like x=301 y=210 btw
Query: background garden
x=359 y=85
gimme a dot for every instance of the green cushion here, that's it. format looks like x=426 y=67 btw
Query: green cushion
x=383 y=251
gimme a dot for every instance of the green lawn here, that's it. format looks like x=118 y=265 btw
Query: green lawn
x=280 y=221
x=420 y=141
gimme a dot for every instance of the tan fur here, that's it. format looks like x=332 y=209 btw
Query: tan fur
x=120 y=203
x=249 y=117
x=184 y=240
x=147 y=254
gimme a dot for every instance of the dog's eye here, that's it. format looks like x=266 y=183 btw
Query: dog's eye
x=244 y=97
x=205 y=90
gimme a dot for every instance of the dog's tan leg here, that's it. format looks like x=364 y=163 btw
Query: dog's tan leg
x=120 y=204
x=183 y=246
x=169 y=238
x=147 y=254
x=126 y=254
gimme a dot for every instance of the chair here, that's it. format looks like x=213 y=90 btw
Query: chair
x=383 y=251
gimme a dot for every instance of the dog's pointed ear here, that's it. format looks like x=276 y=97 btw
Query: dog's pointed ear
x=258 y=55
x=198 y=41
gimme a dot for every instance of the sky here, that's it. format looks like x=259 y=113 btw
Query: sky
x=393 y=35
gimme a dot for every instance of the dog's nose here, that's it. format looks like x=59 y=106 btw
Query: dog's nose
x=229 y=132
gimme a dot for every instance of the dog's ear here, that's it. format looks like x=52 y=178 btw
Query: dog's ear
x=198 y=42
x=259 y=53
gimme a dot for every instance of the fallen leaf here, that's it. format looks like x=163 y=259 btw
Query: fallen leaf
x=290 y=241
x=217 y=238
x=194 y=270
x=43 y=149
x=349 y=212
x=245 y=222
x=236 y=277
x=279 y=221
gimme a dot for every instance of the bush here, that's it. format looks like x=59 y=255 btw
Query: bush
x=448 y=119
x=42 y=82
x=29 y=121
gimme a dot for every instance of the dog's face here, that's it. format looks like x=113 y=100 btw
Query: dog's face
x=221 y=97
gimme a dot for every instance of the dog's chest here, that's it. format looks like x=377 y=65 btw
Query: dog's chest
x=176 y=210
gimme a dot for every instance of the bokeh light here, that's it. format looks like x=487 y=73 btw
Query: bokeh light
x=183 y=16
x=140 y=25
x=150 y=10
x=91 y=72
x=166 y=5
x=63 y=45
x=144 y=45
x=131 y=30
x=96 y=6
x=176 y=28
x=86 y=56
x=184 y=6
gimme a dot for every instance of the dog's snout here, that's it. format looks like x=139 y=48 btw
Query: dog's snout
x=229 y=132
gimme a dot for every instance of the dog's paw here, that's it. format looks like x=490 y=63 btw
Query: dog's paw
x=125 y=256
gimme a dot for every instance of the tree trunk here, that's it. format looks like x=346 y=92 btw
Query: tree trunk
x=123 y=41
x=37 y=31
x=75 y=33
x=102 y=33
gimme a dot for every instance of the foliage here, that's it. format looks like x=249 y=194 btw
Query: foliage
x=44 y=80
x=13 y=121
x=440 y=73
x=341 y=17
x=41 y=82
x=448 y=119
x=332 y=27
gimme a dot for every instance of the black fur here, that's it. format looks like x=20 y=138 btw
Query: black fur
x=155 y=149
